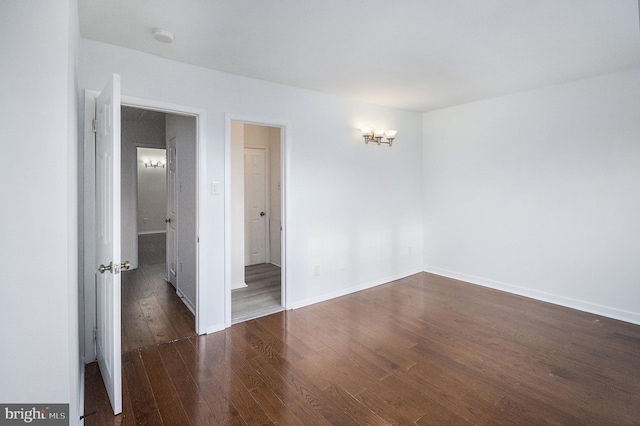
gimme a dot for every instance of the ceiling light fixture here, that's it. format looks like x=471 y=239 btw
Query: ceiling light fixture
x=163 y=36
x=377 y=135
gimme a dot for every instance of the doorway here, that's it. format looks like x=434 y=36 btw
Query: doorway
x=101 y=222
x=155 y=306
x=256 y=221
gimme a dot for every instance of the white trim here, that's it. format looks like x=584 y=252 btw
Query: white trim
x=556 y=299
x=214 y=328
x=238 y=286
x=152 y=232
x=89 y=208
x=186 y=301
x=356 y=288
x=285 y=148
x=89 y=264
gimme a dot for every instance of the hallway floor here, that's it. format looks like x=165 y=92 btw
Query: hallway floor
x=262 y=296
x=152 y=312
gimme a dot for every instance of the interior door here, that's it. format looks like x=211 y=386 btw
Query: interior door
x=172 y=214
x=108 y=240
x=255 y=205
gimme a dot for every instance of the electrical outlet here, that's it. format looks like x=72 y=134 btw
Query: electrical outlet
x=316 y=270
x=215 y=188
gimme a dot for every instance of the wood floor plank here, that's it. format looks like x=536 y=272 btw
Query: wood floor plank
x=135 y=329
x=383 y=409
x=263 y=292
x=167 y=399
x=151 y=310
x=298 y=400
x=360 y=414
x=421 y=350
x=215 y=392
x=274 y=407
x=143 y=401
x=192 y=399
x=161 y=328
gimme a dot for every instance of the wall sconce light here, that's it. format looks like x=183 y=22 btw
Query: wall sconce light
x=155 y=165
x=377 y=135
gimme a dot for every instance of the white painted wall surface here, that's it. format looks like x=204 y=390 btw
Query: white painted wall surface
x=134 y=133
x=39 y=359
x=539 y=193
x=353 y=209
x=152 y=192
x=184 y=130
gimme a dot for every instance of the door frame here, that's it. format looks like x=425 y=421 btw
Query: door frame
x=89 y=209
x=285 y=148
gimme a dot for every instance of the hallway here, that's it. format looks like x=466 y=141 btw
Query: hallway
x=262 y=296
x=152 y=312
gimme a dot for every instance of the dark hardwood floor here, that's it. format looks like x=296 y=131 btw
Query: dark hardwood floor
x=151 y=310
x=421 y=350
x=262 y=296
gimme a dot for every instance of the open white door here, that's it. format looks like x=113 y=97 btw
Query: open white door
x=108 y=240
x=172 y=214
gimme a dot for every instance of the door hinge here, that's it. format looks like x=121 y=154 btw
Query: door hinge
x=94 y=126
x=95 y=335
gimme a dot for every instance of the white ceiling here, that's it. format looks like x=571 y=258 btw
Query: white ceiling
x=412 y=54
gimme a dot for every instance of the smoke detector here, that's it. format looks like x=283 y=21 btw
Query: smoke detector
x=163 y=36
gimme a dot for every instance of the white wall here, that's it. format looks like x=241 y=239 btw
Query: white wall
x=353 y=209
x=152 y=192
x=184 y=130
x=134 y=134
x=539 y=193
x=39 y=359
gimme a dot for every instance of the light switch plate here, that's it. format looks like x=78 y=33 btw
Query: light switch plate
x=215 y=188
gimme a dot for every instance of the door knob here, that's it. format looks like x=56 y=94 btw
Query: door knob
x=114 y=268
x=103 y=268
x=167 y=220
x=262 y=213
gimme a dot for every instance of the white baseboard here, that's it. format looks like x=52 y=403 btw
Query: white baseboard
x=186 y=301
x=349 y=290
x=239 y=285
x=605 y=311
x=214 y=328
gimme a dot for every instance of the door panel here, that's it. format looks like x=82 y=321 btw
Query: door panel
x=255 y=205
x=172 y=214
x=108 y=240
